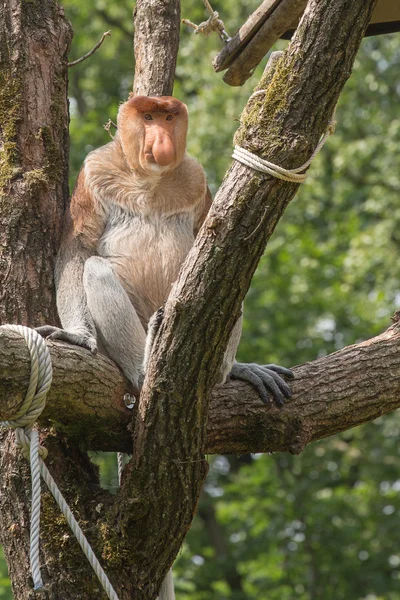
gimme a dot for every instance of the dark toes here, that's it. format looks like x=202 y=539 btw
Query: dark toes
x=265 y=379
x=257 y=383
x=268 y=376
x=281 y=370
x=77 y=340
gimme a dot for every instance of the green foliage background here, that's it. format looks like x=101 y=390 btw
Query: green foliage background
x=323 y=525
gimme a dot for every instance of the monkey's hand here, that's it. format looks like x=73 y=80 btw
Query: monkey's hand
x=265 y=379
x=81 y=338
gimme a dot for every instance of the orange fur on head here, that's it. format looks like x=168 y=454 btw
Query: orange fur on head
x=158 y=144
x=164 y=104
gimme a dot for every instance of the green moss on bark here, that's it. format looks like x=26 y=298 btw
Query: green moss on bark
x=261 y=129
x=10 y=116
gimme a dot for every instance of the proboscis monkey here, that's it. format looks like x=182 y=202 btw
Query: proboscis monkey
x=136 y=208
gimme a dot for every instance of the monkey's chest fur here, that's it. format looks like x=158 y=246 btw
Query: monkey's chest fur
x=146 y=251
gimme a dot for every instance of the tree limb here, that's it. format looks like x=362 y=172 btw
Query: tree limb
x=205 y=302
x=156 y=43
x=330 y=394
x=251 y=43
x=91 y=52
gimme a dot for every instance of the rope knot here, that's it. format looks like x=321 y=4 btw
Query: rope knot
x=23 y=443
x=213 y=23
x=297 y=175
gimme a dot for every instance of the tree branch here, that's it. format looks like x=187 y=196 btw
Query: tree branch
x=156 y=43
x=91 y=52
x=330 y=394
x=204 y=304
x=251 y=43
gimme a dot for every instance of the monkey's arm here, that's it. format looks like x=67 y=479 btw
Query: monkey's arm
x=83 y=225
x=72 y=306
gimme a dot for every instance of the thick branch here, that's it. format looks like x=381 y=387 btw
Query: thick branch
x=331 y=394
x=205 y=302
x=156 y=43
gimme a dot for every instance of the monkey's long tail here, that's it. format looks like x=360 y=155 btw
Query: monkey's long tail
x=167 y=591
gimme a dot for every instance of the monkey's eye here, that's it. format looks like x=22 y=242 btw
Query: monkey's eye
x=148 y=117
x=169 y=118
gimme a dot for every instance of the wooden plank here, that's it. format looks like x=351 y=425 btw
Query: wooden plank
x=253 y=24
x=253 y=53
x=264 y=22
x=385 y=19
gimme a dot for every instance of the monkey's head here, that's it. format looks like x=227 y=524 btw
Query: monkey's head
x=152 y=131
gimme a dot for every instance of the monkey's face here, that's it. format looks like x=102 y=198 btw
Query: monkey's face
x=153 y=133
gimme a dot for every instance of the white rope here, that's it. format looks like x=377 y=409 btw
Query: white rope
x=264 y=166
x=28 y=441
x=120 y=460
x=77 y=531
x=213 y=23
x=35 y=461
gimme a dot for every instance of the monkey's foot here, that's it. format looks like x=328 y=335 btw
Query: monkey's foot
x=265 y=378
x=85 y=340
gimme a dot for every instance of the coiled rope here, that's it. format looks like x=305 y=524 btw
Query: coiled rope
x=264 y=166
x=27 y=439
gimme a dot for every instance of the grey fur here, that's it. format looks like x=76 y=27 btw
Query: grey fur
x=117 y=323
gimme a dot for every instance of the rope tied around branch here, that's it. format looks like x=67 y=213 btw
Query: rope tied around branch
x=296 y=175
x=27 y=439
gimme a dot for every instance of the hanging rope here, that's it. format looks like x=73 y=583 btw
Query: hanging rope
x=28 y=441
x=264 y=166
x=120 y=461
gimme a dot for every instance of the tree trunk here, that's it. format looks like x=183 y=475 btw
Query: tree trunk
x=34 y=45
x=138 y=533
x=35 y=39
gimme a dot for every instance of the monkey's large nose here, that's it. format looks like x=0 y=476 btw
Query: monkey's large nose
x=163 y=150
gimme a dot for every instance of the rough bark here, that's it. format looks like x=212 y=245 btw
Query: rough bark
x=35 y=39
x=331 y=394
x=156 y=43
x=33 y=155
